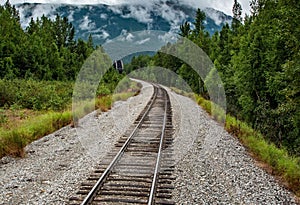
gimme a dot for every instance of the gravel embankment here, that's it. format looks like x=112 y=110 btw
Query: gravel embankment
x=211 y=166
x=56 y=164
x=215 y=167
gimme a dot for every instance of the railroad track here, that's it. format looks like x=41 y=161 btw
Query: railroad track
x=139 y=169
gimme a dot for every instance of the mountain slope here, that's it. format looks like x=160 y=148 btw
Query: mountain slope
x=106 y=22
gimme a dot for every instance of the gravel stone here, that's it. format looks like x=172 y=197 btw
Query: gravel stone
x=56 y=164
x=211 y=166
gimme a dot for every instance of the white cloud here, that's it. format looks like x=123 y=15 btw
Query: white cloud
x=126 y=36
x=142 y=14
x=175 y=17
x=129 y=37
x=168 y=37
x=116 y=9
x=214 y=16
x=87 y=24
x=143 y=41
x=104 y=35
x=37 y=12
x=222 y=5
x=103 y=16
x=167 y=12
x=70 y=17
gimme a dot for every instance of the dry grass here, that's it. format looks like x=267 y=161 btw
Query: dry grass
x=14 y=139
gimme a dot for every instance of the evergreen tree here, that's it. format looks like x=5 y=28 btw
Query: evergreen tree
x=237 y=15
x=185 y=29
x=199 y=22
x=46 y=49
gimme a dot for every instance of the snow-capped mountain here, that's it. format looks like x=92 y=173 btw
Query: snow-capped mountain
x=106 y=22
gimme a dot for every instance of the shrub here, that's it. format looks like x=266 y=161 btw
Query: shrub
x=37 y=95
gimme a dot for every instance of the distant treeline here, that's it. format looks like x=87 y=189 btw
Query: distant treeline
x=31 y=59
x=258 y=59
x=45 y=50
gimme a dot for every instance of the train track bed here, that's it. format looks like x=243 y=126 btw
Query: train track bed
x=55 y=165
x=139 y=168
x=210 y=165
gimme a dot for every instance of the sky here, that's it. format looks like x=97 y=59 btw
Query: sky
x=222 y=5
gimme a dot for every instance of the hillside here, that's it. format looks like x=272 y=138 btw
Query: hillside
x=106 y=22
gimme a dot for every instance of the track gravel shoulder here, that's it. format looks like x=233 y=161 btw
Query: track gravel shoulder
x=56 y=164
x=215 y=168
x=211 y=166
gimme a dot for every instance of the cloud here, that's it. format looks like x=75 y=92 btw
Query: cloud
x=140 y=13
x=103 y=16
x=100 y=33
x=225 y=6
x=103 y=35
x=168 y=37
x=211 y=13
x=126 y=36
x=221 y=5
x=116 y=9
x=38 y=11
x=70 y=17
x=143 y=13
x=143 y=41
x=87 y=24
x=175 y=17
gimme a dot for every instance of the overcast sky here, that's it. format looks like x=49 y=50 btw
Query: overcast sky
x=222 y=5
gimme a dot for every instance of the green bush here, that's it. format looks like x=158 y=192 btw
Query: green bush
x=36 y=95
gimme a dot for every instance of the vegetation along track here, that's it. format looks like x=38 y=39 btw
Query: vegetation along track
x=139 y=169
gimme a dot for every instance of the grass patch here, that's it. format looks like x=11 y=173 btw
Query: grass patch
x=104 y=103
x=13 y=141
x=281 y=163
x=33 y=124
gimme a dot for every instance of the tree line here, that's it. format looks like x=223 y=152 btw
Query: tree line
x=45 y=50
x=31 y=59
x=258 y=60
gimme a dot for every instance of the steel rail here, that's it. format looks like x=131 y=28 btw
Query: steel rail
x=153 y=186
x=89 y=198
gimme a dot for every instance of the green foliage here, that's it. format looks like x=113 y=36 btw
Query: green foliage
x=45 y=50
x=137 y=62
x=277 y=158
x=259 y=64
x=38 y=66
x=237 y=15
x=267 y=55
x=199 y=22
x=36 y=95
x=185 y=29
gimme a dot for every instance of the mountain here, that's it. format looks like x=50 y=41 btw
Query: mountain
x=105 y=22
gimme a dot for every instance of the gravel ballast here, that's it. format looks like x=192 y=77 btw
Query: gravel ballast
x=215 y=168
x=56 y=164
x=211 y=166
